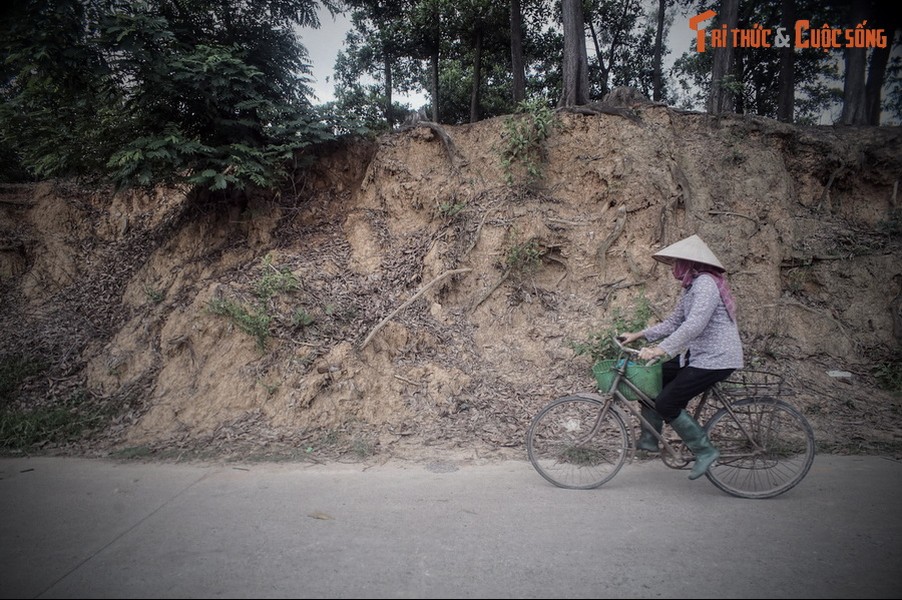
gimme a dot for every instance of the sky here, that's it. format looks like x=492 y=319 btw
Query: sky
x=323 y=45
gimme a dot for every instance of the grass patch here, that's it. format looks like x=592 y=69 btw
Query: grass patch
x=71 y=420
x=14 y=370
x=889 y=375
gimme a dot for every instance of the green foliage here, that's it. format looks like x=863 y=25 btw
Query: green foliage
x=212 y=94
x=252 y=321
x=14 y=370
x=889 y=374
x=154 y=295
x=25 y=429
x=521 y=258
x=255 y=320
x=600 y=345
x=524 y=136
x=757 y=87
x=449 y=209
x=892 y=225
x=301 y=318
x=275 y=281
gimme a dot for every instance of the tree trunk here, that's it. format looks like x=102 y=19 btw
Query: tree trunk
x=720 y=97
x=786 y=96
x=886 y=19
x=388 y=85
x=658 y=78
x=576 y=63
x=853 y=95
x=874 y=85
x=477 y=77
x=434 y=60
x=517 y=63
x=434 y=86
x=854 y=108
x=603 y=69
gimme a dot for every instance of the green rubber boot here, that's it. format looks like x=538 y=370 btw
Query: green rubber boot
x=647 y=441
x=697 y=441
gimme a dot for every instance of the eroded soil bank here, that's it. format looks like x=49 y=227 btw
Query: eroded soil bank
x=258 y=326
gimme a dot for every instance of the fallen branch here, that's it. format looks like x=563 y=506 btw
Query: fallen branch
x=613 y=287
x=563 y=264
x=491 y=290
x=405 y=380
x=412 y=299
x=602 y=109
x=619 y=224
x=476 y=234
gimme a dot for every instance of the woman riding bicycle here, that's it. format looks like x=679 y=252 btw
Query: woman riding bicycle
x=702 y=336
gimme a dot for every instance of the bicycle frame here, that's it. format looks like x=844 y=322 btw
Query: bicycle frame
x=620 y=382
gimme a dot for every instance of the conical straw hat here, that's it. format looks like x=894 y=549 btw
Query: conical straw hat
x=691 y=248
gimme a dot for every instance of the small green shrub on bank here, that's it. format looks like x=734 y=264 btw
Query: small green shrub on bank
x=254 y=322
x=524 y=136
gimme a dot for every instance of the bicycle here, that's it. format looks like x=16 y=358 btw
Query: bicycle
x=581 y=441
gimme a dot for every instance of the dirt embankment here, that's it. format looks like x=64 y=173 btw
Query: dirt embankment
x=259 y=326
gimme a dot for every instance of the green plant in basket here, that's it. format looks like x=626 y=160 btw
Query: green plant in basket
x=600 y=345
x=604 y=352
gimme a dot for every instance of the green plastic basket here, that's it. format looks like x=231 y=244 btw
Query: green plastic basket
x=649 y=379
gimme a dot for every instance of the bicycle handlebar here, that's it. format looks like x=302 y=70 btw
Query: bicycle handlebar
x=624 y=348
x=634 y=351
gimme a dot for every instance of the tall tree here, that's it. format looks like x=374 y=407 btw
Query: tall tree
x=657 y=61
x=612 y=25
x=721 y=95
x=430 y=22
x=786 y=93
x=854 y=106
x=887 y=19
x=518 y=69
x=380 y=24
x=576 y=63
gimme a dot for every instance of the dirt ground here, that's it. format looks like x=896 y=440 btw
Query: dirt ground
x=411 y=295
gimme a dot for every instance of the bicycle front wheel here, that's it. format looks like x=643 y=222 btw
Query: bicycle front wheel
x=766 y=450
x=575 y=443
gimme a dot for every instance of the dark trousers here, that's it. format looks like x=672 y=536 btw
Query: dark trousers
x=682 y=384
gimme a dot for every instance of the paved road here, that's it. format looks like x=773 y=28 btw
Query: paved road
x=80 y=528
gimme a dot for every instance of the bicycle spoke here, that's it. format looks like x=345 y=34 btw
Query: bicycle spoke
x=573 y=443
x=765 y=450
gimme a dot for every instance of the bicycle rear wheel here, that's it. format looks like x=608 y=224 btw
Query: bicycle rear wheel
x=575 y=444
x=765 y=451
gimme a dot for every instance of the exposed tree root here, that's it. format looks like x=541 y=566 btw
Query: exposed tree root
x=491 y=290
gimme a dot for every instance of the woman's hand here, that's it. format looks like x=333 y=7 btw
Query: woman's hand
x=650 y=352
x=628 y=338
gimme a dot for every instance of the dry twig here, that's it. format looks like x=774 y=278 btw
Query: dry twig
x=412 y=299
